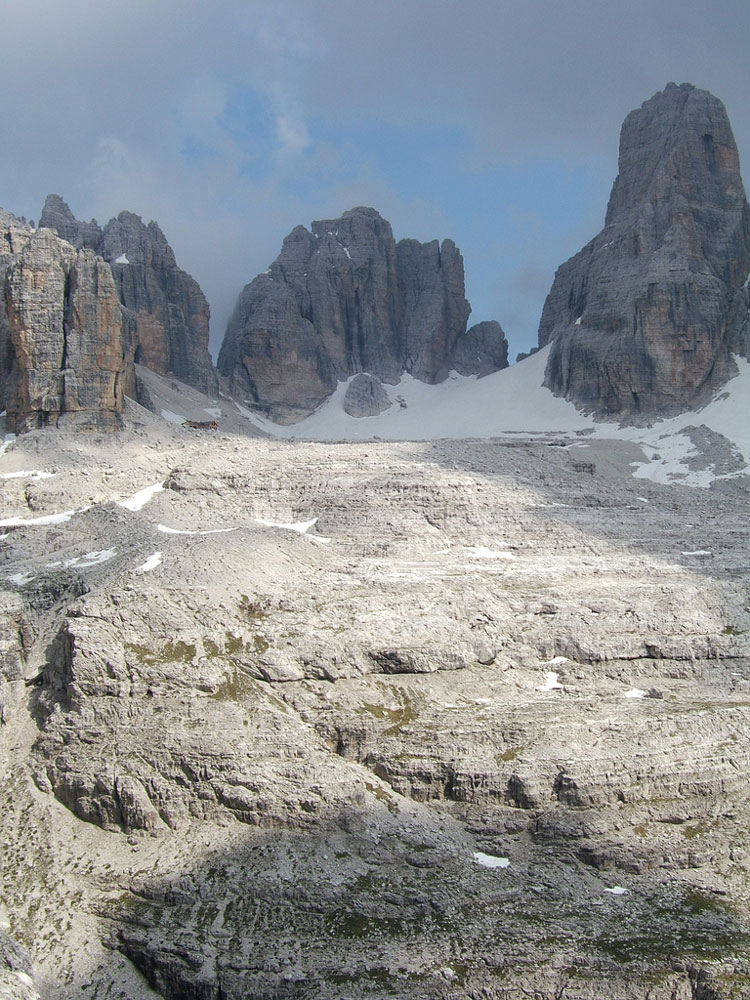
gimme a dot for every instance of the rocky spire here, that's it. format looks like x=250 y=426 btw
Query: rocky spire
x=645 y=317
x=168 y=311
x=345 y=298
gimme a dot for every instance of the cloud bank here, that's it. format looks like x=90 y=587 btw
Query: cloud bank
x=490 y=122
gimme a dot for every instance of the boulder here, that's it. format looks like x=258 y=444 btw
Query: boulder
x=366 y=397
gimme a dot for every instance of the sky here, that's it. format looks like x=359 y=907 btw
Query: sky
x=494 y=123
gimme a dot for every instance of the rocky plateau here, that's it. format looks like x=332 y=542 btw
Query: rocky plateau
x=431 y=720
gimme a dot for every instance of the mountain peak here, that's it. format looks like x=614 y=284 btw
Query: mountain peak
x=645 y=317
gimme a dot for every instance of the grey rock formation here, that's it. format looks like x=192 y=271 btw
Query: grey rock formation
x=482 y=349
x=365 y=397
x=65 y=329
x=645 y=317
x=168 y=311
x=14 y=235
x=345 y=298
x=56 y=214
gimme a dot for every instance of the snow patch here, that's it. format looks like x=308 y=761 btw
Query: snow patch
x=88 y=559
x=635 y=693
x=151 y=563
x=14 y=522
x=27 y=474
x=578 y=321
x=139 y=500
x=182 y=531
x=480 y=552
x=551 y=682
x=509 y=401
x=489 y=860
x=301 y=527
x=617 y=890
x=19 y=579
x=7 y=440
x=555 y=661
x=698 y=552
x=212 y=411
x=122 y=259
x=173 y=418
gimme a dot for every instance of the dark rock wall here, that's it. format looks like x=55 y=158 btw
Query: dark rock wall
x=645 y=317
x=345 y=298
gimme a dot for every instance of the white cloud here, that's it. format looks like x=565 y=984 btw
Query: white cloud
x=292 y=135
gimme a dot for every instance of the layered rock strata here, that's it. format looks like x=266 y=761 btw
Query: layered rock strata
x=644 y=319
x=452 y=720
x=344 y=298
x=168 y=310
x=65 y=345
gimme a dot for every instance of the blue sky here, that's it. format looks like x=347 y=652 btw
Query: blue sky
x=493 y=123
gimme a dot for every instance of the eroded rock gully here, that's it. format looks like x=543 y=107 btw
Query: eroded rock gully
x=283 y=716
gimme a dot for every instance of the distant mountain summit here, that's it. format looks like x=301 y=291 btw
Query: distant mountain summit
x=644 y=319
x=345 y=298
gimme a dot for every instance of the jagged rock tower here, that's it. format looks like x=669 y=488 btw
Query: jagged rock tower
x=644 y=319
x=167 y=311
x=344 y=299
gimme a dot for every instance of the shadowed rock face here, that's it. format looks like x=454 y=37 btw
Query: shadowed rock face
x=346 y=298
x=66 y=351
x=645 y=317
x=168 y=311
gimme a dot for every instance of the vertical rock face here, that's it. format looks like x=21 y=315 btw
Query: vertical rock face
x=344 y=299
x=645 y=317
x=167 y=309
x=65 y=329
x=14 y=235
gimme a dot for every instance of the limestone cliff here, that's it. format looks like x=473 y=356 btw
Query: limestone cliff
x=345 y=298
x=168 y=310
x=645 y=317
x=67 y=356
x=14 y=234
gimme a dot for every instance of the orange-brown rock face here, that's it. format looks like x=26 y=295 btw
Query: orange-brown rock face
x=65 y=329
x=644 y=319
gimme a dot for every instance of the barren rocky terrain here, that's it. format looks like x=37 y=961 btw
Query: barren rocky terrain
x=443 y=719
